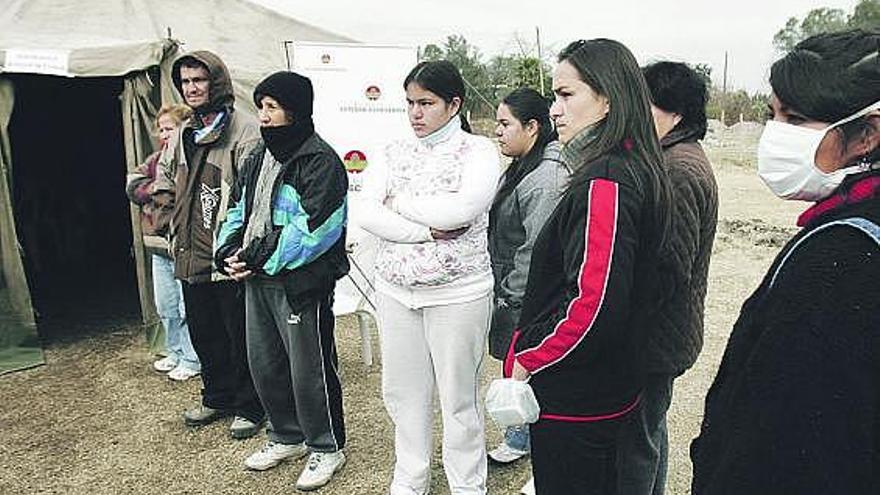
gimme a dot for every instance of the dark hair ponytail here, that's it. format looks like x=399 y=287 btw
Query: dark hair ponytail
x=442 y=78
x=526 y=105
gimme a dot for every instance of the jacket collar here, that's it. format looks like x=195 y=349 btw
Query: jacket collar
x=679 y=135
x=310 y=146
x=442 y=134
x=855 y=189
x=552 y=151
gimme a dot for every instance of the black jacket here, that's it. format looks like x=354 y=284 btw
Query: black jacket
x=593 y=282
x=795 y=407
x=309 y=211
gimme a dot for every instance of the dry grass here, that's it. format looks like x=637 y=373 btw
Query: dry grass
x=97 y=420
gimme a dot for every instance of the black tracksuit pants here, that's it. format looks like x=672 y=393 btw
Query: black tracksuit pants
x=571 y=458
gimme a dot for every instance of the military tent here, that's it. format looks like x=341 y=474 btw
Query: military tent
x=80 y=82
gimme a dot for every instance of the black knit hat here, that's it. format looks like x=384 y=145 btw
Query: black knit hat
x=293 y=91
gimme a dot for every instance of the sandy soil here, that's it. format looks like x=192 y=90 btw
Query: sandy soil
x=97 y=420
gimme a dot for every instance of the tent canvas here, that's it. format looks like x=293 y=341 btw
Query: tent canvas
x=135 y=41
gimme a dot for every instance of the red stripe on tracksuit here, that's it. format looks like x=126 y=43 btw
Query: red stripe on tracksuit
x=598 y=417
x=582 y=311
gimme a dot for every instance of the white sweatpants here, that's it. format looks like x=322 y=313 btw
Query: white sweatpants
x=442 y=345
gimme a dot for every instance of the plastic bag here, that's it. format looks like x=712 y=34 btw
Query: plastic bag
x=511 y=402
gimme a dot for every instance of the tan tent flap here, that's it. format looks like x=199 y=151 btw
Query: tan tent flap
x=101 y=38
x=138 y=113
x=19 y=346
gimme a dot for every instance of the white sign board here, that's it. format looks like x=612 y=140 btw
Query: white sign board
x=360 y=105
x=37 y=61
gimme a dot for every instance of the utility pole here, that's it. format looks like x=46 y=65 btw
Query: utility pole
x=724 y=92
x=724 y=83
x=286 y=44
x=540 y=60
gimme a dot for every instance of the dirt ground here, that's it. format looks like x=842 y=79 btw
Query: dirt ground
x=97 y=420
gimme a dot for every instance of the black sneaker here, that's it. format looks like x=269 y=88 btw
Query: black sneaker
x=242 y=428
x=204 y=415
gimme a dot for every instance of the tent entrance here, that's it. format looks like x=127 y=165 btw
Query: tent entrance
x=72 y=216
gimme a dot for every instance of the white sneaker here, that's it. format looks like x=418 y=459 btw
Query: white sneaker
x=182 y=373
x=505 y=454
x=320 y=469
x=165 y=364
x=273 y=454
x=529 y=487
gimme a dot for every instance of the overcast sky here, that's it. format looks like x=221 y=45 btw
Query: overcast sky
x=694 y=31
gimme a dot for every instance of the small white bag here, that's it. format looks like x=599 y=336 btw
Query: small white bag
x=511 y=402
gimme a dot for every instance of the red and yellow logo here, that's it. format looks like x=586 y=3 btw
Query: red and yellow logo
x=355 y=161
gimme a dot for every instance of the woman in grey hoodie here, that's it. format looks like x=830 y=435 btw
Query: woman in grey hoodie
x=528 y=193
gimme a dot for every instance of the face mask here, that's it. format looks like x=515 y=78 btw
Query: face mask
x=787 y=160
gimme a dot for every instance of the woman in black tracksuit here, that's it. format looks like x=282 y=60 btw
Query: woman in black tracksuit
x=597 y=272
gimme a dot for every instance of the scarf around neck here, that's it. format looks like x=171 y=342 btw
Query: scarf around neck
x=286 y=140
x=855 y=189
x=209 y=133
x=573 y=151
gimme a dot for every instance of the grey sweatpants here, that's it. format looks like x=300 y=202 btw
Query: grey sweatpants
x=293 y=361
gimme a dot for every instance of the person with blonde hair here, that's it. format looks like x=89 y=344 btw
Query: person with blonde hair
x=180 y=361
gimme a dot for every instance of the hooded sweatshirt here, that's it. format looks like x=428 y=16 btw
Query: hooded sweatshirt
x=200 y=168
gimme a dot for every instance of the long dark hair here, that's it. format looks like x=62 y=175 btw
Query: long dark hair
x=611 y=70
x=830 y=76
x=526 y=104
x=442 y=78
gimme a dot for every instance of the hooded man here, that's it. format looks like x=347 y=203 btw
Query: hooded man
x=199 y=169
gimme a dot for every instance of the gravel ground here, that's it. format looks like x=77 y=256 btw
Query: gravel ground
x=97 y=420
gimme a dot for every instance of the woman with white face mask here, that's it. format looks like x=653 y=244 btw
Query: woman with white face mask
x=795 y=407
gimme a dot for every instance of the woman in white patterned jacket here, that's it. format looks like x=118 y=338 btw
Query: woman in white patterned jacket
x=428 y=200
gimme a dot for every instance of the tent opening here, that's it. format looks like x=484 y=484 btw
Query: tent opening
x=72 y=215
